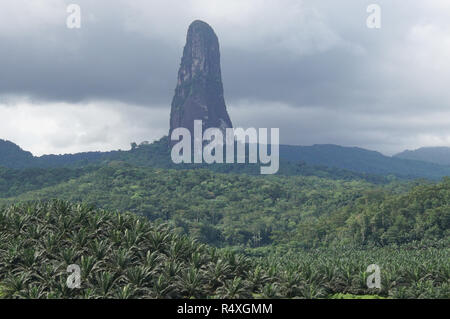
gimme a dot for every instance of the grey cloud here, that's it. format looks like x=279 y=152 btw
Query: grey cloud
x=339 y=81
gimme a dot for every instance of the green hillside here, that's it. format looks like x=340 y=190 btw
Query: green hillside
x=254 y=211
x=11 y=155
x=330 y=161
x=437 y=155
x=361 y=160
x=218 y=231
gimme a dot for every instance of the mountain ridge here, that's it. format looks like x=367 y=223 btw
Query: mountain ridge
x=352 y=159
x=434 y=154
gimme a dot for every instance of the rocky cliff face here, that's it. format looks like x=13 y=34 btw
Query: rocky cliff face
x=199 y=91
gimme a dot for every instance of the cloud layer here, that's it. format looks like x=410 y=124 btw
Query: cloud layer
x=312 y=68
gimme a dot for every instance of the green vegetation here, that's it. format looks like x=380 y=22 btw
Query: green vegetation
x=350 y=296
x=437 y=155
x=125 y=256
x=214 y=208
x=219 y=231
x=14 y=182
x=364 y=161
x=327 y=161
x=415 y=270
x=240 y=210
x=13 y=156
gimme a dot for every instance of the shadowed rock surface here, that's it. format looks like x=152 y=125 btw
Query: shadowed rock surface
x=199 y=91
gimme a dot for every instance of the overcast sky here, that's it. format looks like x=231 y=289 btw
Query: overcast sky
x=311 y=68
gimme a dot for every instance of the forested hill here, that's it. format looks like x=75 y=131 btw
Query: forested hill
x=329 y=161
x=11 y=155
x=307 y=236
x=157 y=155
x=362 y=160
x=438 y=155
x=230 y=209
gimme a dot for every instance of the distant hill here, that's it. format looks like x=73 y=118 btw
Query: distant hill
x=329 y=161
x=361 y=160
x=157 y=155
x=11 y=155
x=438 y=155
